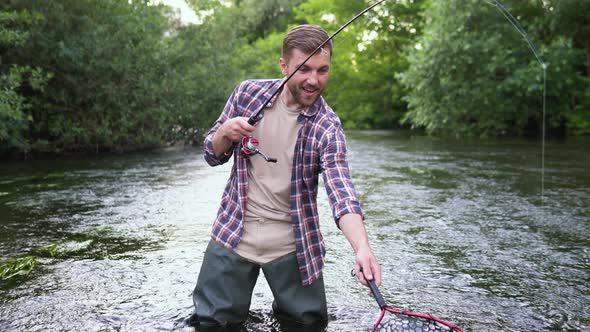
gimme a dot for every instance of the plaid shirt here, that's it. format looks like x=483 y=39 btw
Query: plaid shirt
x=320 y=148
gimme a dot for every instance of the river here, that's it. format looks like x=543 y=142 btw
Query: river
x=465 y=230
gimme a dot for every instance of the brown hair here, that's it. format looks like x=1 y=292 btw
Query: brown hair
x=305 y=38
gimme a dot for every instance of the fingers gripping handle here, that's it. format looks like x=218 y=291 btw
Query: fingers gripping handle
x=377 y=294
x=374 y=290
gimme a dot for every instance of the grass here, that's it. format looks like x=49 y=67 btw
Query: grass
x=17 y=267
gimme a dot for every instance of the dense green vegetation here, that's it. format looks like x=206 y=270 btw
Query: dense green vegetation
x=475 y=75
x=110 y=75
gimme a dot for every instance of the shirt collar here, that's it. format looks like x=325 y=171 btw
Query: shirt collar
x=274 y=85
x=314 y=108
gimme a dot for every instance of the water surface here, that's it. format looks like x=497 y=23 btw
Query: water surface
x=460 y=228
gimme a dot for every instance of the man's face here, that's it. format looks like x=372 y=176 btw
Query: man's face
x=309 y=82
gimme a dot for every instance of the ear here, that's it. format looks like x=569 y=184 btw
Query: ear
x=283 y=64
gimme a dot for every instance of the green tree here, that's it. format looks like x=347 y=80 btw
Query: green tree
x=14 y=107
x=257 y=28
x=260 y=59
x=263 y=17
x=203 y=77
x=107 y=62
x=570 y=18
x=473 y=74
x=123 y=74
x=368 y=59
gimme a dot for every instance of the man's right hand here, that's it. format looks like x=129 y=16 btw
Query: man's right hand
x=230 y=132
x=236 y=128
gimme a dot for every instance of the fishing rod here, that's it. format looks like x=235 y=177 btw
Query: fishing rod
x=249 y=144
x=257 y=116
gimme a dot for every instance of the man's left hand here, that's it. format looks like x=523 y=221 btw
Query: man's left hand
x=366 y=266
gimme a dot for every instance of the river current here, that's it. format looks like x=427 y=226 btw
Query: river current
x=465 y=230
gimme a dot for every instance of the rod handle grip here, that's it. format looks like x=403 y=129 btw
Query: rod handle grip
x=256 y=117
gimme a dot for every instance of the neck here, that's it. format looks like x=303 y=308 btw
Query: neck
x=289 y=101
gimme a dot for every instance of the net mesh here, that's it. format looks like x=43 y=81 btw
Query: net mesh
x=399 y=323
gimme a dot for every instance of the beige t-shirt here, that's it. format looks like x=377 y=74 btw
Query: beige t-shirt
x=268 y=232
x=269 y=184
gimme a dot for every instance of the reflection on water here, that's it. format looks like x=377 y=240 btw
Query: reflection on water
x=460 y=228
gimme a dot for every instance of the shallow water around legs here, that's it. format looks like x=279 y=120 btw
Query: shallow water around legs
x=460 y=228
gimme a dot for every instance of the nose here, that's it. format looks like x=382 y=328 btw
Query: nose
x=312 y=79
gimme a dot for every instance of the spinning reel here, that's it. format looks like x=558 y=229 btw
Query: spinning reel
x=250 y=148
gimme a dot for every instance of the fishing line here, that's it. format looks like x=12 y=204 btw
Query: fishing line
x=525 y=35
x=427 y=319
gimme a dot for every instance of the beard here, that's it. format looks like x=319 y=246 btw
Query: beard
x=299 y=94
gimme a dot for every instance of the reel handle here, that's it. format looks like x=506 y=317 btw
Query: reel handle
x=250 y=148
x=267 y=158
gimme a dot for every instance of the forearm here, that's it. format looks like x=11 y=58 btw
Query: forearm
x=221 y=143
x=366 y=266
x=353 y=228
x=218 y=141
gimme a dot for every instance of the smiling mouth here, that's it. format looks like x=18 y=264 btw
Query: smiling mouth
x=309 y=91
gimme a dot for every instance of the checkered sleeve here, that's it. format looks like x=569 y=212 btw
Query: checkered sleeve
x=229 y=111
x=336 y=174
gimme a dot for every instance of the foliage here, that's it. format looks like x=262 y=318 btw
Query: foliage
x=49 y=250
x=260 y=33
x=103 y=57
x=472 y=73
x=122 y=75
x=110 y=75
x=204 y=77
x=571 y=19
x=367 y=54
x=99 y=243
x=13 y=78
x=261 y=58
x=263 y=17
x=365 y=59
x=370 y=93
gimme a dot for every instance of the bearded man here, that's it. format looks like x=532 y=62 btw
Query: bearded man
x=268 y=218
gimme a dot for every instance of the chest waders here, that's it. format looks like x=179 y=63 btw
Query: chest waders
x=223 y=293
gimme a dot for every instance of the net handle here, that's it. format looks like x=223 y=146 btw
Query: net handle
x=377 y=294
